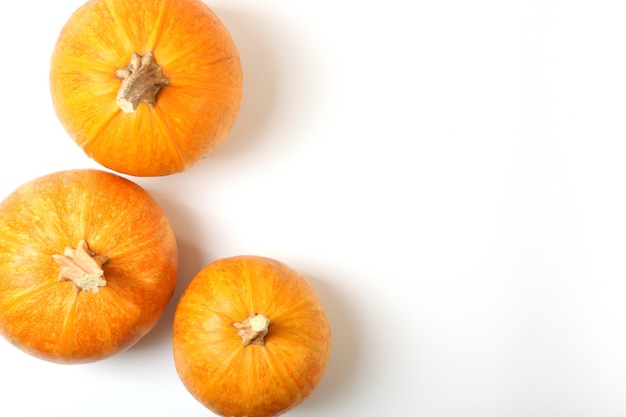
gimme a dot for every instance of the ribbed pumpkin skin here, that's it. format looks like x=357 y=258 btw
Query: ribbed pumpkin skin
x=254 y=380
x=48 y=318
x=192 y=115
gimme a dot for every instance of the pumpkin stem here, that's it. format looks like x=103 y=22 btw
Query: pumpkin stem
x=253 y=329
x=141 y=81
x=82 y=266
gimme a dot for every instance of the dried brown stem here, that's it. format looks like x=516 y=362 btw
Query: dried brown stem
x=82 y=266
x=141 y=80
x=253 y=329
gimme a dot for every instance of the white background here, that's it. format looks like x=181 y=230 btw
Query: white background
x=449 y=175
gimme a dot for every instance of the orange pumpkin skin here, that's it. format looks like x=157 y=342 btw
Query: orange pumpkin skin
x=51 y=317
x=191 y=114
x=254 y=380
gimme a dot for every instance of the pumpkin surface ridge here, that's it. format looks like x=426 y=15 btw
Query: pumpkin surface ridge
x=171 y=58
x=192 y=81
x=84 y=201
x=118 y=280
x=290 y=339
x=94 y=136
x=155 y=37
x=133 y=250
x=228 y=361
x=276 y=375
x=8 y=236
x=44 y=236
x=164 y=126
x=117 y=252
x=66 y=338
x=18 y=297
x=223 y=315
x=277 y=366
x=95 y=64
x=253 y=363
x=123 y=304
x=184 y=79
x=287 y=311
x=118 y=21
x=118 y=30
x=226 y=58
x=217 y=341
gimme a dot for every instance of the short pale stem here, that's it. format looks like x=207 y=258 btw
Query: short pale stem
x=253 y=329
x=141 y=81
x=82 y=267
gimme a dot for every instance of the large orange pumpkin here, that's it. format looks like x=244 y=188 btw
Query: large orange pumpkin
x=251 y=337
x=146 y=87
x=88 y=263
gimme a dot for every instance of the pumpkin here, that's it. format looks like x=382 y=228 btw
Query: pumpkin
x=146 y=88
x=88 y=263
x=250 y=337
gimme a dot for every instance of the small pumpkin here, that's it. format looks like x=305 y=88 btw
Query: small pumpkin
x=146 y=88
x=88 y=263
x=251 y=337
